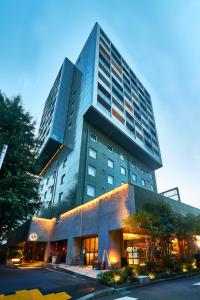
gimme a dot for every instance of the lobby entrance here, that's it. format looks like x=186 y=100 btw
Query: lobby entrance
x=90 y=245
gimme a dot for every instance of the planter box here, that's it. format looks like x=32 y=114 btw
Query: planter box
x=142 y=279
x=54 y=259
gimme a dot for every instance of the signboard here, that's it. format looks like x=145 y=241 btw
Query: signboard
x=33 y=236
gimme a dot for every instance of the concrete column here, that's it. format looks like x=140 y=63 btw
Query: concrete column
x=73 y=250
x=115 y=248
x=103 y=246
x=46 y=252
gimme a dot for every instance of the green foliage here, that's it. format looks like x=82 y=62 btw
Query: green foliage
x=141 y=221
x=151 y=266
x=18 y=183
x=127 y=271
x=114 y=277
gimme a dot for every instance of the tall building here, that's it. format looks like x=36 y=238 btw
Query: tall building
x=99 y=151
x=98 y=128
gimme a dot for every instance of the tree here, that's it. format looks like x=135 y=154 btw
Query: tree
x=19 y=197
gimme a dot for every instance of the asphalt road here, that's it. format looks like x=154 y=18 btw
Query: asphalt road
x=47 y=281
x=179 y=289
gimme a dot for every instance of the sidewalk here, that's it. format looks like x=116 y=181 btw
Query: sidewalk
x=85 y=271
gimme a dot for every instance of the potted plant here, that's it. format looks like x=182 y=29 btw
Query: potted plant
x=56 y=257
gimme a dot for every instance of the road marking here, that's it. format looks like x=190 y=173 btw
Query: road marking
x=126 y=298
x=198 y=283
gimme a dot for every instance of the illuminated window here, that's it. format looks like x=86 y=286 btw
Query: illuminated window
x=152 y=188
x=143 y=182
x=123 y=171
x=92 y=153
x=110 y=163
x=90 y=190
x=110 y=179
x=91 y=171
x=117 y=116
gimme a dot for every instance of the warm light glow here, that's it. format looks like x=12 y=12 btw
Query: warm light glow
x=116 y=278
x=184 y=268
x=197 y=237
x=43 y=219
x=194 y=265
x=133 y=236
x=50 y=161
x=152 y=275
x=113 y=259
x=95 y=201
x=15 y=260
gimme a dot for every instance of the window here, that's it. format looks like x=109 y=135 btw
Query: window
x=64 y=162
x=45 y=195
x=110 y=163
x=123 y=171
x=143 y=182
x=52 y=187
x=110 y=148
x=60 y=197
x=47 y=182
x=110 y=179
x=121 y=156
x=91 y=171
x=62 y=179
x=93 y=137
x=152 y=188
x=134 y=177
x=90 y=190
x=92 y=153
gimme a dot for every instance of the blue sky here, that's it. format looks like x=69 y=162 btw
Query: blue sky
x=160 y=39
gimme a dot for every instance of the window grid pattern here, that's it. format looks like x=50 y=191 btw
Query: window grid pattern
x=122 y=96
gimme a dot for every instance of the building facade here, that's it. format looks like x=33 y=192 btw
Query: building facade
x=99 y=151
x=97 y=130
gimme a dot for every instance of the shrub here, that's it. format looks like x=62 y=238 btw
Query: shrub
x=169 y=263
x=117 y=276
x=197 y=258
x=106 y=277
x=151 y=266
x=127 y=272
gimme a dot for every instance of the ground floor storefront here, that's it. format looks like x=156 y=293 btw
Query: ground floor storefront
x=94 y=233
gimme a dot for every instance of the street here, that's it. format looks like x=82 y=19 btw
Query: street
x=180 y=289
x=47 y=281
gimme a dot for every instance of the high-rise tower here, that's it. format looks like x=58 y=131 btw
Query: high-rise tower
x=98 y=129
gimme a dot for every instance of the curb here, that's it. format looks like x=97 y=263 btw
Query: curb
x=107 y=291
x=110 y=291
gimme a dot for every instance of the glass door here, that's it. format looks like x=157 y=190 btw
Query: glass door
x=91 y=249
